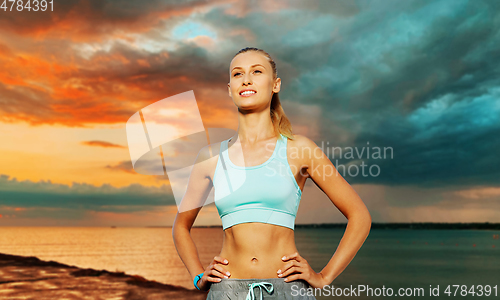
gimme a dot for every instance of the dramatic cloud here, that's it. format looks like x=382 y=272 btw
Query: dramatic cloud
x=133 y=198
x=102 y=144
x=418 y=77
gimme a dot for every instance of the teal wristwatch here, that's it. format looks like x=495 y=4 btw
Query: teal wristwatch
x=196 y=279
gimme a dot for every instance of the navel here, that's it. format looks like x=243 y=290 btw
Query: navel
x=254 y=260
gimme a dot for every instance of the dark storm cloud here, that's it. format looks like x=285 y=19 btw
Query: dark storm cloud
x=418 y=76
x=94 y=17
x=438 y=108
x=45 y=194
x=164 y=67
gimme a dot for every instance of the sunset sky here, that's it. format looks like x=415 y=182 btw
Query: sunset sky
x=420 y=77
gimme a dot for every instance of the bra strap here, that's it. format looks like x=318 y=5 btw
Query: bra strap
x=224 y=166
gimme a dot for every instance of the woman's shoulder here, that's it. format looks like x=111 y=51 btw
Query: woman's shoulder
x=301 y=141
x=301 y=150
x=209 y=151
x=207 y=158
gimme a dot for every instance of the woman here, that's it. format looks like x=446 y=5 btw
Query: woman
x=257 y=202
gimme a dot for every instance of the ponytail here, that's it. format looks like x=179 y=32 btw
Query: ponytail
x=281 y=122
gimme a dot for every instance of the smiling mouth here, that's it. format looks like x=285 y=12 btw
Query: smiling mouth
x=248 y=93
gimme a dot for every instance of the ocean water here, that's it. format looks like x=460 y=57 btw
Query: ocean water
x=409 y=259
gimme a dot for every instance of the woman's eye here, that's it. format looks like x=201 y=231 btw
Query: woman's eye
x=240 y=73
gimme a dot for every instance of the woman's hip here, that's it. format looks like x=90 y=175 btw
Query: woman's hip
x=271 y=288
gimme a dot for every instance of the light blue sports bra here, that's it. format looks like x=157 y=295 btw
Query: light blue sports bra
x=267 y=193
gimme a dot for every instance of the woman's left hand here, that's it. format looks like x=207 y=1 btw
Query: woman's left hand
x=298 y=267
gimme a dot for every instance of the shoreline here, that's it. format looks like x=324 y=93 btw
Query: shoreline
x=374 y=225
x=412 y=225
x=28 y=277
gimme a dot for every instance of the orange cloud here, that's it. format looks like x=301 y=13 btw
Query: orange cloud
x=56 y=85
x=102 y=144
x=94 y=20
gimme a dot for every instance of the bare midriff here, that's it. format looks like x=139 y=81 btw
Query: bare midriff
x=254 y=250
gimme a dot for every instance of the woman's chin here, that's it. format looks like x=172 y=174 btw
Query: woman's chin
x=247 y=103
x=250 y=103
x=248 y=107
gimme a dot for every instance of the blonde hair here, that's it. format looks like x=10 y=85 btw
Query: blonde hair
x=280 y=121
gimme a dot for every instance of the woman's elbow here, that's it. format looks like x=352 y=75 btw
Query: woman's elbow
x=180 y=226
x=368 y=219
x=362 y=216
x=176 y=226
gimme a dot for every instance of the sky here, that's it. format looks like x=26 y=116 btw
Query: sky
x=418 y=77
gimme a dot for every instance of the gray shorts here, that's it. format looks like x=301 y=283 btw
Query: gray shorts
x=271 y=288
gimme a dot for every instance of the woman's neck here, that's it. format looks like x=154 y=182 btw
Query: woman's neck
x=255 y=127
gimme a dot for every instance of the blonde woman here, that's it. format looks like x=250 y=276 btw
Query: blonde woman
x=258 y=186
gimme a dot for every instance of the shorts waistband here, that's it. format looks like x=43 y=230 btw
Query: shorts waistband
x=279 y=284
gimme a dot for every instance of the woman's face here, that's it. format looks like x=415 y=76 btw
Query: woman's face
x=252 y=71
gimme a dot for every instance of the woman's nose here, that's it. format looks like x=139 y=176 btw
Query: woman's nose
x=247 y=80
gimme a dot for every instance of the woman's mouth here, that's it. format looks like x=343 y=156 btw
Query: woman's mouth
x=248 y=93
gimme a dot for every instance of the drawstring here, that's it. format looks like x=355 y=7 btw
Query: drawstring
x=251 y=295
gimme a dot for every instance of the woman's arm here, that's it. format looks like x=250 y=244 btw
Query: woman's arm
x=199 y=186
x=323 y=173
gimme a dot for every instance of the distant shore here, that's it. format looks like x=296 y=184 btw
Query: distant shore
x=473 y=226
x=27 y=277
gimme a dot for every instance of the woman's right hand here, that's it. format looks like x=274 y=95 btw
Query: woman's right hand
x=213 y=273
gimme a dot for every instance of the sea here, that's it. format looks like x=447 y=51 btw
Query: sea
x=426 y=264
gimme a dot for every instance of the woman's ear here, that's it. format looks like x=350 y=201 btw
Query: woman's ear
x=277 y=85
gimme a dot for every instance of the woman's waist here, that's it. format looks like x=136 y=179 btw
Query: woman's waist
x=252 y=250
x=257 y=255
x=258 y=263
x=255 y=270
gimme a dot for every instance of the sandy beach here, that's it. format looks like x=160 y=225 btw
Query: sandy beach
x=23 y=277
